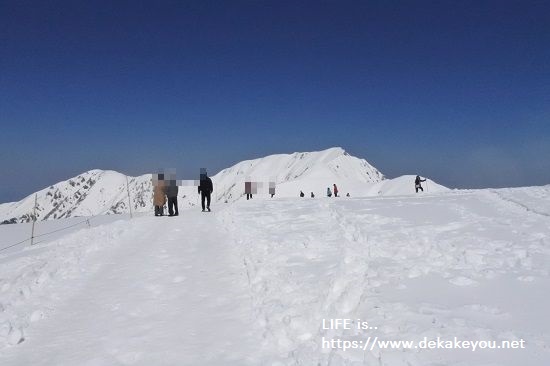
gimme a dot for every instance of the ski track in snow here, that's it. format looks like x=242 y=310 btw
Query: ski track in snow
x=250 y=284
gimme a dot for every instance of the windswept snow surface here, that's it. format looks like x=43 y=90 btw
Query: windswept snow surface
x=251 y=284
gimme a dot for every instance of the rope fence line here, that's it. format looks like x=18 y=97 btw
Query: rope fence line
x=63 y=228
x=48 y=233
x=12 y=245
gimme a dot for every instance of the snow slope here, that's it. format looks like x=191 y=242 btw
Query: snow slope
x=99 y=192
x=95 y=192
x=251 y=283
x=312 y=171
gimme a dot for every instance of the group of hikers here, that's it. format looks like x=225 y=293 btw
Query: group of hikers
x=329 y=192
x=167 y=190
x=417 y=185
x=335 y=190
x=163 y=191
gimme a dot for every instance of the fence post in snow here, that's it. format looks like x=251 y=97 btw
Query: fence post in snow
x=33 y=218
x=129 y=201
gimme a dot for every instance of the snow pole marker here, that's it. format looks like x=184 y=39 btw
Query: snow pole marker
x=129 y=201
x=33 y=218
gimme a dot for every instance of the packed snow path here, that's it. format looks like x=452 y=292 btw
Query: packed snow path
x=251 y=284
x=169 y=294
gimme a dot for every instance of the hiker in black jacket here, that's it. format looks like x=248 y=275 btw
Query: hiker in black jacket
x=205 y=189
x=172 y=194
x=417 y=184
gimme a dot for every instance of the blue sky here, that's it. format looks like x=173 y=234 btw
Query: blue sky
x=457 y=91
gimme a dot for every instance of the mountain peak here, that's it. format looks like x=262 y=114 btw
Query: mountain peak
x=98 y=192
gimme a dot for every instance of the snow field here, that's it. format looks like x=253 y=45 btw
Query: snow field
x=319 y=259
x=250 y=283
x=164 y=293
x=27 y=281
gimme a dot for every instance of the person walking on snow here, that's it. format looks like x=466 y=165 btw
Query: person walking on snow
x=329 y=193
x=172 y=194
x=159 y=195
x=335 y=190
x=248 y=190
x=417 y=184
x=302 y=194
x=205 y=189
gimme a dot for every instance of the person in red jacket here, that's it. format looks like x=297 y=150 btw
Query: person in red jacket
x=335 y=190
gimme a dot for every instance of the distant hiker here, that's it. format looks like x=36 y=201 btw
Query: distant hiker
x=347 y=195
x=172 y=194
x=329 y=192
x=159 y=195
x=302 y=194
x=272 y=189
x=248 y=190
x=417 y=184
x=335 y=190
x=312 y=195
x=205 y=190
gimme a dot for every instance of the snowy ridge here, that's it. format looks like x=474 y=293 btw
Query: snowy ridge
x=99 y=192
x=95 y=192
x=313 y=170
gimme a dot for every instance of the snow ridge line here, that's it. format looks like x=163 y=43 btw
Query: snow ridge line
x=519 y=204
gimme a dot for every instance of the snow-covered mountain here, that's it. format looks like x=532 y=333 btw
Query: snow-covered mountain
x=98 y=192
x=91 y=193
x=258 y=279
x=308 y=171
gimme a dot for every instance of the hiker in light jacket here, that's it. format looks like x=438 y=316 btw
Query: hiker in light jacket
x=159 y=195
